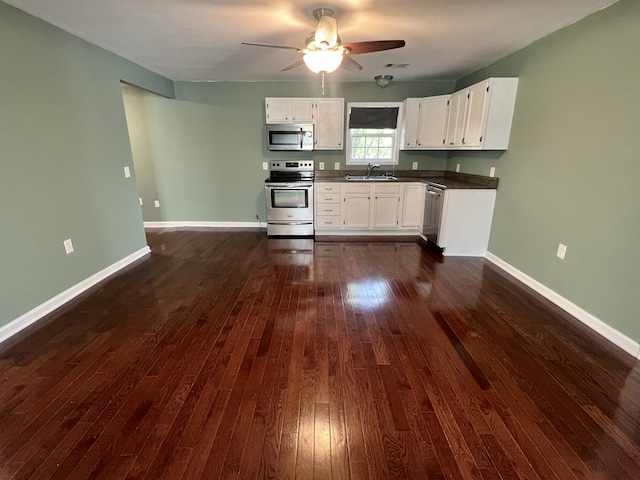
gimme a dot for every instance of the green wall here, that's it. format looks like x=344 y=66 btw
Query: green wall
x=202 y=155
x=571 y=174
x=63 y=147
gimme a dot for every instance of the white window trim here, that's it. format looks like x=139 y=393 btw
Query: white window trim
x=396 y=136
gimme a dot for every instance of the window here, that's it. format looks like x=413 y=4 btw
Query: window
x=372 y=133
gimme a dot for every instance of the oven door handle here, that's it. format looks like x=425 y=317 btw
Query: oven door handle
x=289 y=185
x=272 y=222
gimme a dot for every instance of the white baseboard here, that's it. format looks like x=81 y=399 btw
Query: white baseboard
x=618 y=338
x=205 y=224
x=59 y=300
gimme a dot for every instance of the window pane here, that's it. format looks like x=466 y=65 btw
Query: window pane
x=372 y=145
x=385 y=153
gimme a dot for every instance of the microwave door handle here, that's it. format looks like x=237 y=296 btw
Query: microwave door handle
x=301 y=137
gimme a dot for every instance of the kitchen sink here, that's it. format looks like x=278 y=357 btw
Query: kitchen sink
x=374 y=178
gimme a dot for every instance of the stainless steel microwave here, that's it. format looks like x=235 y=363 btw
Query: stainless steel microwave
x=289 y=136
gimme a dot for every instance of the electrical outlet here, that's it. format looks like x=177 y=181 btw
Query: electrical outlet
x=321 y=165
x=414 y=166
x=562 y=251
x=336 y=166
x=265 y=165
x=457 y=167
x=68 y=246
x=492 y=172
x=127 y=172
x=156 y=203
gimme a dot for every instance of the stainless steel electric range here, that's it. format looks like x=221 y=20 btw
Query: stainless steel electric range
x=289 y=192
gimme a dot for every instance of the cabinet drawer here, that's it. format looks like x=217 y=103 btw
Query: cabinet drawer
x=324 y=221
x=357 y=188
x=328 y=198
x=327 y=188
x=395 y=188
x=331 y=209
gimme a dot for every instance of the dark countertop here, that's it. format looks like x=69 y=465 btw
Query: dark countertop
x=449 y=179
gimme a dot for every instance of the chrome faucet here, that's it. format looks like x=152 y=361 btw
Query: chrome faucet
x=370 y=168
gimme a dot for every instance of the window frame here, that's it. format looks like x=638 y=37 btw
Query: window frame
x=395 y=148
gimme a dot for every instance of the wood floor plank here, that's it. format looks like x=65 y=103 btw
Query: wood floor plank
x=227 y=354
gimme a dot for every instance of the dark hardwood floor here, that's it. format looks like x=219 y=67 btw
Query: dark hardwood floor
x=228 y=355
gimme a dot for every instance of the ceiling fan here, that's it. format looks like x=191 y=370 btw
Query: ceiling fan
x=324 y=52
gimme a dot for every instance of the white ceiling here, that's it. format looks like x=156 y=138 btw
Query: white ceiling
x=200 y=40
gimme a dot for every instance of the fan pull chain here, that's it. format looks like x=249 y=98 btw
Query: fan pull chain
x=322 y=76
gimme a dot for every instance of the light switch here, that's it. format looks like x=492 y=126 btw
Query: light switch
x=336 y=166
x=127 y=172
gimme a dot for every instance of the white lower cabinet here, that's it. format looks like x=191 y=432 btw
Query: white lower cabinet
x=357 y=205
x=385 y=206
x=344 y=208
x=412 y=205
x=356 y=210
x=466 y=221
x=350 y=208
x=328 y=206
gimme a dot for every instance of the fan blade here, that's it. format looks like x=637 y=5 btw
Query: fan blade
x=373 y=46
x=295 y=64
x=350 y=64
x=272 y=46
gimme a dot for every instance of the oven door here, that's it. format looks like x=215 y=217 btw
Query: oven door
x=289 y=201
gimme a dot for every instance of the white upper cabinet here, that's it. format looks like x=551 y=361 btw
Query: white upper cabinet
x=410 y=123
x=326 y=115
x=425 y=122
x=480 y=116
x=329 y=124
x=455 y=120
x=289 y=110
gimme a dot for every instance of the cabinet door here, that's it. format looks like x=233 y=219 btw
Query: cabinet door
x=476 y=107
x=329 y=124
x=411 y=122
x=433 y=122
x=455 y=121
x=412 y=205
x=356 y=211
x=385 y=210
x=301 y=110
x=277 y=110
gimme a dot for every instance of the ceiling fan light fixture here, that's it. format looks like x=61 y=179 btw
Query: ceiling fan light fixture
x=383 y=80
x=327 y=31
x=322 y=60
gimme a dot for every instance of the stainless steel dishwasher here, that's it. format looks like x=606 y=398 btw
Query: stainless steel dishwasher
x=434 y=200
